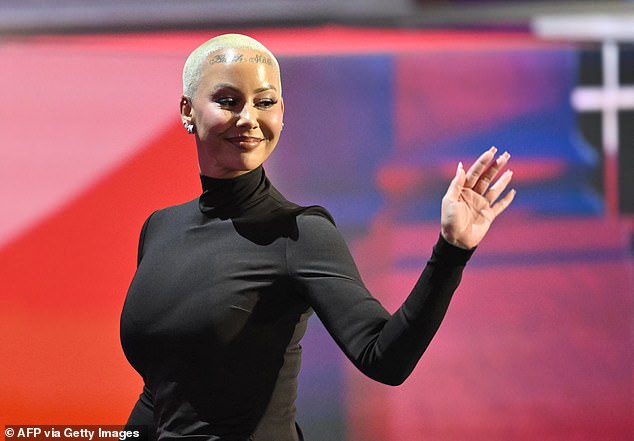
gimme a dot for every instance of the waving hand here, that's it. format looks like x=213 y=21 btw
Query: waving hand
x=471 y=203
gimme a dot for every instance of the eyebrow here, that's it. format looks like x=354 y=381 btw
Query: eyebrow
x=264 y=88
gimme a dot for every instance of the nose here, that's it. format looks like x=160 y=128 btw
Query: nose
x=247 y=117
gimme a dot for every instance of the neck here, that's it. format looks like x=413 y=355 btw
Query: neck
x=232 y=195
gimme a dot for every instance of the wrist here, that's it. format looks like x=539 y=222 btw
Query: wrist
x=451 y=252
x=455 y=242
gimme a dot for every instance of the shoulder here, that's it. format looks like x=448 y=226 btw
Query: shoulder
x=170 y=214
x=319 y=249
x=304 y=222
x=315 y=217
x=173 y=210
x=316 y=230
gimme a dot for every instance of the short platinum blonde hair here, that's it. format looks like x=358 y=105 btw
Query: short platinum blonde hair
x=192 y=70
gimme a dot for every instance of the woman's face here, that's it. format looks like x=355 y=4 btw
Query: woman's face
x=237 y=112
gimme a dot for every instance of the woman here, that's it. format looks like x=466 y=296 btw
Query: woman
x=225 y=283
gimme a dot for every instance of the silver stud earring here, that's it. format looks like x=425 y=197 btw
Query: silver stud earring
x=190 y=128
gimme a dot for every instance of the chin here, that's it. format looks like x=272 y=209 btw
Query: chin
x=251 y=162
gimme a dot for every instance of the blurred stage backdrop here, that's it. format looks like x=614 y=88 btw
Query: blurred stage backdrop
x=537 y=344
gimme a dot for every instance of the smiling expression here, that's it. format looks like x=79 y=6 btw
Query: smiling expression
x=237 y=112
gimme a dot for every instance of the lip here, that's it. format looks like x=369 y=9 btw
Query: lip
x=245 y=142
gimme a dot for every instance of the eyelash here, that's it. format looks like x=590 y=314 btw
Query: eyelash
x=267 y=103
x=231 y=102
x=226 y=102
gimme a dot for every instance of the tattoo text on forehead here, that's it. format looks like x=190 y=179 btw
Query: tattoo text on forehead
x=240 y=58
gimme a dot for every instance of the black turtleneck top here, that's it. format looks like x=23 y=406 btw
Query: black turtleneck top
x=223 y=289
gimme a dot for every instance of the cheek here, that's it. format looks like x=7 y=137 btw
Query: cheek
x=274 y=122
x=214 y=120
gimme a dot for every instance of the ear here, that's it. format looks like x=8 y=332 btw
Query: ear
x=186 y=109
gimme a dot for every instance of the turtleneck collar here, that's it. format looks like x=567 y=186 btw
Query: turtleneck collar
x=230 y=197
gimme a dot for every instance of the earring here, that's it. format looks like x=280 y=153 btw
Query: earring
x=190 y=128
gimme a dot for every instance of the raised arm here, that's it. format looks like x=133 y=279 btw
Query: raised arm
x=387 y=347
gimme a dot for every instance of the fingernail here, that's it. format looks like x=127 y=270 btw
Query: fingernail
x=493 y=149
x=459 y=166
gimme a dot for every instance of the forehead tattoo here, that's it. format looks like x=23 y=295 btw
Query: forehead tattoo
x=224 y=49
x=238 y=57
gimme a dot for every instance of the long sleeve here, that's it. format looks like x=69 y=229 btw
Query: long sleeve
x=142 y=415
x=384 y=347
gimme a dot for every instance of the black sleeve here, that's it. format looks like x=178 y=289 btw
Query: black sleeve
x=142 y=416
x=384 y=347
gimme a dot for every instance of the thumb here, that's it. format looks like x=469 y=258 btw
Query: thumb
x=457 y=183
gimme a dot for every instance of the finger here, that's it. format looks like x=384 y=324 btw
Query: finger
x=500 y=185
x=490 y=173
x=478 y=167
x=457 y=183
x=501 y=205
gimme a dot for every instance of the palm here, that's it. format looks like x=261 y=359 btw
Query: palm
x=469 y=206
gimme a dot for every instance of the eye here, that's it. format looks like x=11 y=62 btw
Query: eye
x=226 y=101
x=266 y=103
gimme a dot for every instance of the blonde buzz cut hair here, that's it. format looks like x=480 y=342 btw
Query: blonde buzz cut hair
x=192 y=70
